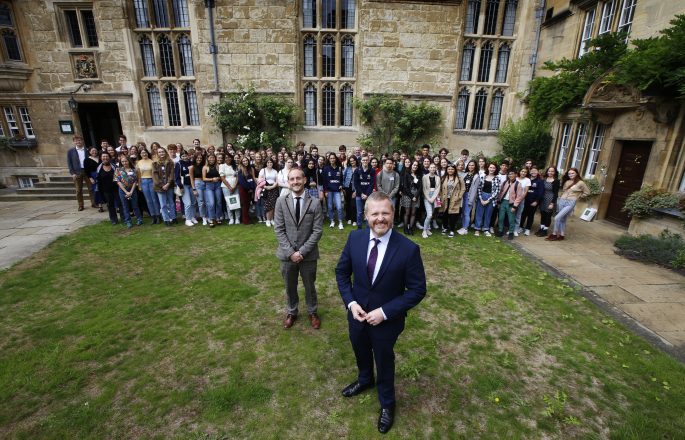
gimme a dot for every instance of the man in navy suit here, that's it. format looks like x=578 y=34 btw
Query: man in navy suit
x=380 y=276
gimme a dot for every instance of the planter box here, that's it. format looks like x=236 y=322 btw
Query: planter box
x=670 y=219
x=23 y=143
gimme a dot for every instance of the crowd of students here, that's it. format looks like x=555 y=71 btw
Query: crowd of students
x=225 y=185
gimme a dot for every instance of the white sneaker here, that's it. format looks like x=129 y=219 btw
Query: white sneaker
x=462 y=231
x=194 y=220
x=340 y=226
x=428 y=231
x=520 y=231
x=231 y=222
x=492 y=231
x=435 y=224
x=189 y=223
x=419 y=226
x=477 y=233
x=354 y=223
x=424 y=234
x=204 y=221
x=349 y=222
x=516 y=234
x=488 y=234
x=526 y=232
x=400 y=225
x=332 y=225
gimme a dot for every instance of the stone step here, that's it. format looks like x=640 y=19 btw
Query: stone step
x=50 y=190
x=61 y=179
x=69 y=184
x=38 y=197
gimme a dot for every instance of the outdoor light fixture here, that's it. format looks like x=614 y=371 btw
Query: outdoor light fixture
x=73 y=104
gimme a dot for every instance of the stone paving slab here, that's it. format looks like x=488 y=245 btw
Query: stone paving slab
x=26 y=227
x=654 y=297
x=616 y=295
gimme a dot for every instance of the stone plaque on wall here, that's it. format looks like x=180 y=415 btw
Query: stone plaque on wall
x=85 y=66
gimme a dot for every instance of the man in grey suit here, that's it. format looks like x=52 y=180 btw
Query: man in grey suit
x=298 y=222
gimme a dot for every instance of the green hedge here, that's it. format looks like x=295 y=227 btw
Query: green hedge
x=666 y=250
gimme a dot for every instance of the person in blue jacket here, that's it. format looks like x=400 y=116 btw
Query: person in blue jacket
x=364 y=181
x=332 y=186
x=536 y=191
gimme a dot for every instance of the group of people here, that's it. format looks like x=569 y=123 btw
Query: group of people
x=224 y=185
x=296 y=192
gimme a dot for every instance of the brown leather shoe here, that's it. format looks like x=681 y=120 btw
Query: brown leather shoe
x=551 y=237
x=315 y=321
x=289 y=320
x=560 y=237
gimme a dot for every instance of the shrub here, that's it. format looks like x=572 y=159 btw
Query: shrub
x=594 y=186
x=256 y=120
x=642 y=202
x=527 y=138
x=666 y=250
x=394 y=123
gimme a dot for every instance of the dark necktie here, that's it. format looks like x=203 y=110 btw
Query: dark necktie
x=297 y=210
x=373 y=256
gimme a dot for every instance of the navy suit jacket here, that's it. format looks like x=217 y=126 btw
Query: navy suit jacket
x=399 y=285
x=73 y=161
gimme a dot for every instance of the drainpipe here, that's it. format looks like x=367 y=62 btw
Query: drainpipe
x=539 y=13
x=209 y=4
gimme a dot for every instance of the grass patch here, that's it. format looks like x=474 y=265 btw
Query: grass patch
x=175 y=333
x=668 y=249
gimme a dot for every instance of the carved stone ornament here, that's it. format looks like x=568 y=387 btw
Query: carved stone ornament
x=85 y=67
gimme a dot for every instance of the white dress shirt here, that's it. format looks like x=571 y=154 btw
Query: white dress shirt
x=382 y=247
x=81 y=155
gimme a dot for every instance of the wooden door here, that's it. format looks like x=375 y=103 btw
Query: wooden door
x=631 y=170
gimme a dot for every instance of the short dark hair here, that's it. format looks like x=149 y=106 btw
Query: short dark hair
x=464 y=152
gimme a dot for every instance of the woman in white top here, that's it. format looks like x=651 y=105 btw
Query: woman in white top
x=229 y=186
x=282 y=177
x=524 y=181
x=270 y=194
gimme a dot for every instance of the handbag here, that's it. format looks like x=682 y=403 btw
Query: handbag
x=438 y=202
x=233 y=202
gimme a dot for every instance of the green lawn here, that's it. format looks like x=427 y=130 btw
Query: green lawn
x=176 y=333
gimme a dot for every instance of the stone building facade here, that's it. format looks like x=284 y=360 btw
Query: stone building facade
x=622 y=137
x=151 y=68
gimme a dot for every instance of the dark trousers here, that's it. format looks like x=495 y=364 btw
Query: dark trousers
x=350 y=206
x=291 y=273
x=545 y=218
x=244 y=205
x=80 y=180
x=528 y=216
x=372 y=346
x=449 y=221
x=111 y=198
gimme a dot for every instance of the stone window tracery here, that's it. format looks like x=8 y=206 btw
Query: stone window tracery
x=166 y=54
x=491 y=29
x=328 y=61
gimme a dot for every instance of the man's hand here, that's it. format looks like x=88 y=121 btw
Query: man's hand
x=375 y=317
x=74 y=176
x=358 y=313
x=165 y=187
x=92 y=181
x=296 y=257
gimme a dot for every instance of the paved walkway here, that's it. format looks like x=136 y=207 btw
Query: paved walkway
x=647 y=297
x=651 y=296
x=26 y=227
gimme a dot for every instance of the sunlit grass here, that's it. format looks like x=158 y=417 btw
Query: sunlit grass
x=176 y=333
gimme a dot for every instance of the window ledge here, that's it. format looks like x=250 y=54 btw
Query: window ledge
x=475 y=132
x=331 y=128
x=25 y=143
x=14 y=77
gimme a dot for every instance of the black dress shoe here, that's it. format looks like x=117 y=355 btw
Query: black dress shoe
x=355 y=388
x=385 y=419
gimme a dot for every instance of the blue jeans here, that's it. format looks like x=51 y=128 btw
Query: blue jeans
x=167 y=204
x=360 y=212
x=465 y=212
x=334 y=198
x=127 y=204
x=428 y=206
x=146 y=186
x=201 y=205
x=564 y=211
x=483 y=213
x=188 y=202
x=259 y=208
x=213 y=196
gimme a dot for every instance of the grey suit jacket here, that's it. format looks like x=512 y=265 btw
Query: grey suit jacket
x=303 y=237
